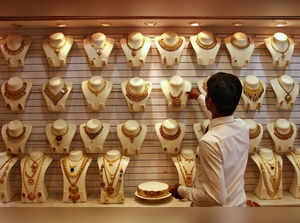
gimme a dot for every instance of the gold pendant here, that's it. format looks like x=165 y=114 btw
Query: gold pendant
x=288 y=98
x=31 y=196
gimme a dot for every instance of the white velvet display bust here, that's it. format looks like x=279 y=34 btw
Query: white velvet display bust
x=294 y=158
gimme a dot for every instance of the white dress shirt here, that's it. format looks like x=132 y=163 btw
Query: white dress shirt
x=221 y=163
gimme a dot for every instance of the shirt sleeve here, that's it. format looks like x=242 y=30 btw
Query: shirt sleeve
x=201 y=101
x=213 y=189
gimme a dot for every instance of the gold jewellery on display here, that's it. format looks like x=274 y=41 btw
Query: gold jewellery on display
x=96 y=92
x=99 y=50
x=256 y=133
x=187 y=176
x=204 y=46
x=169 y=137
x=275 y=178
x=167 y=47
x=297 y=161
x=74 y=194
x=288 y=96
x=176 y=102
x=6 y=165
x=16 y=137
x=59 y=138
x=282 y=52
x=15 y=95
x=285 y=136
x=93 y=135
x=136 y=97
x=253 y=95
x=55 y=98
x=240 y=47
x=134 y=50
x=57 y=48
x=36 y=168
x=131 y=137
x=14 y=52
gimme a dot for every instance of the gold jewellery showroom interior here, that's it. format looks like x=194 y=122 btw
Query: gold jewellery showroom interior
x=94 y=107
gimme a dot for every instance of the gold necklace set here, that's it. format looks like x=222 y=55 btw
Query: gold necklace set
x=136 y=97
x=99 y=50
x=206 y=47
x=253 y=95
x=176 y=102
x=131 y=137
x=28 y=179
x=256 y=133
x=59 y=138
x=169 y=137
x=284 y=136
x=16 y=137
x=55 y=98
x=96 y=92
x=288 y=96
x=6 y=165
x=275 y=178
x=167 y=47
x=92 y=136
x=240 y=47
x=57 y=48
x=187 y=175
x=74 y=176
x=14 y=52
x=282 y=52
x=15 y=95
x=134 y=50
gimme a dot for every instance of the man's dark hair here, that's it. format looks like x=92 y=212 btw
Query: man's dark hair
x=225 y=91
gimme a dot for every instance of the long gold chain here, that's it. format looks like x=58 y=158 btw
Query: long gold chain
x=256 y=133
x=136 y=97
x=282 y=52
x=288 y=96
x=206 y=47
x=134 y=50
x=6 y=165
x=167 y=47
x=253 y=95
x=131 y=137
x=284 y=136
x=96 y=92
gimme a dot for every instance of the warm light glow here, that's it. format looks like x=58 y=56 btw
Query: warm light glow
x=150 y=23
x=105 y=24
x=281 y=23
x=61 y=25
x=195 y=24
x=237 y=24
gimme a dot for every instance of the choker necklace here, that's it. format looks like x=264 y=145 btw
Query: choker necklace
x=284 y=136
x=136 y=97
x=74 y=194
x=282 y=52
x=256 y=133
x=167 y=47
x=131 y=137
x=253 y=95
x=176 y=102
x=288 y=96
x=99 y=50
x=274 y=178
x=240 y=47
x=14 y=52
x=57 y=48
x=16 y=137
x=6 y=165
x=96 y=92
x=297 y=161
x=169 y=137
x=187 y=176
x=93 y=135
x=55 y=98
x=15 y=95
x=134 y=50
x=36 y=167
x=59 y=138
x=206 y=47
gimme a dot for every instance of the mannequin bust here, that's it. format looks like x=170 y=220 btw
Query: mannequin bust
x=15 y=135
x=56 y=92
x=294 y=158
x=131 y=135
x=136 y=48
x=270 y=180
x=281 y=48
x=253 y=93
x=96 y=91
x=98 y=49
x=206 y=47
x=201 y=128
x=137 y=92
x=93 y=134
x=175 y=91
x=256 y=131
x=15 y=92
x=74 y=168
x=14 y=48
x=240 y=47
x=185 y=164
x=170 y=47
x=33 y=170
x=56 y=48
x=170 y=134
x=112 y=168
x=7 y=162
x=60 y=134
x=283 y=133
x=286 y=90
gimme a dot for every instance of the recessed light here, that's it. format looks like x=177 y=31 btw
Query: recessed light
x=237 y=24
x=105 y=24
x=281 y=23
x=61 y=25
x=194 y=24
x=150 y=23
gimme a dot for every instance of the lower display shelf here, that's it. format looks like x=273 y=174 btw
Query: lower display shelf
x=287 y=201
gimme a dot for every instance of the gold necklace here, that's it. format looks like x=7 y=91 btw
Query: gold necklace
x=14 y=52
x=16 y=137
x=253 y=95
x=167 y=47
x=288 y=96
x=74 y=194
x=256 y=133
x=206 y=47
x=136 y=97
x=15 y=95
x=187 y=176
x=6 y=165
x=285 y=136
x=99 y=50
x=59 y=138
x=55 y=98
x=32 y=195
x=297 y=161
x=240 y=47
x=92 y=135
x=57 y=48
x=282 y=52
x=275 y=178
x=134 y=50
x=176 y=102
x=169 y=137
x=111 y=162
x=131 y=137
x=96 y=92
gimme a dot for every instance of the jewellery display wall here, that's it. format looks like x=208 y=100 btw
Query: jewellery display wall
x=152 y=163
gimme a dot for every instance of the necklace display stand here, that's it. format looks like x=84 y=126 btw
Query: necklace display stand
x=294 y=158
x=256 y=131
x=200 y=128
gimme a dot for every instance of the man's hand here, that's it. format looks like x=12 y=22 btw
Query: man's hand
x=174 y=191
x=194 y=93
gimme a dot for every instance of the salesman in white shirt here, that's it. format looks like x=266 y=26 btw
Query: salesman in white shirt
x=223 y=150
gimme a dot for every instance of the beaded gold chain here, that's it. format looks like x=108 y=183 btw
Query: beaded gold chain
x=253 y=95
x=136 y=97
x=55 y=98
x=134 y=50
x=255 y=134
x=15 y=95
x=6 y=165
x=131 y=137
x=167 y=47
x=284 y=136
x=288 y=96
x=97 y=92
x=282 y=52
x=206 y=47
x=169 y=137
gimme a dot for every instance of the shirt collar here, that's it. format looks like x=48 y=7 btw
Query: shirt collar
x=220 y=121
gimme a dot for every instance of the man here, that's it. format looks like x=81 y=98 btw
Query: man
x=223 y=150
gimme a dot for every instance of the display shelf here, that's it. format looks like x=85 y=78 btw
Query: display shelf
x=288 y=200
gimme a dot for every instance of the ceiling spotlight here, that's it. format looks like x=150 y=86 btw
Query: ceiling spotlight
x=150 y=23
x=281 y=23
x=105 y=24
x=194 y=24
x=237 y=24
x=61 y=25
